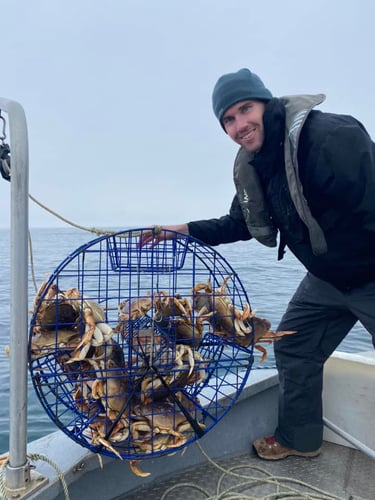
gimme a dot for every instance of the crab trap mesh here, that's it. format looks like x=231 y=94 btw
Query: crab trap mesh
x=139 y=350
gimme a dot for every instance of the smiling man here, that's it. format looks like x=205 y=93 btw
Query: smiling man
x=243 y=123
x=305 y=180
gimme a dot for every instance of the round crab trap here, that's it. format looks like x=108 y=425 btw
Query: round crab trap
x=139 y=350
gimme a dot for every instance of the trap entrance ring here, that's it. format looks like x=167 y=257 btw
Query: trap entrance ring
x=130 y=350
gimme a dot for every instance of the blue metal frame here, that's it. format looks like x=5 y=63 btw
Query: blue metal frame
x=110 y=270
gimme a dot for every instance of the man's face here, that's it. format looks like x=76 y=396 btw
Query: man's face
x=243 y=122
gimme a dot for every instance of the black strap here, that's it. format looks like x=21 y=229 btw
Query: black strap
x=5 y=161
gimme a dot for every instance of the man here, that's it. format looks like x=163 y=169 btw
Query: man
x=307 y=177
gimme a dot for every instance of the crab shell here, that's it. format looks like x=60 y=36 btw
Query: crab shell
x=161 y=418
x=112 y=385
x=134 y=309
x=55 y=309
x=226 y=320
x=175 y=314
x=45 y=342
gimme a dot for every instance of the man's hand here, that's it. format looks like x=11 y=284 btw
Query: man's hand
x=161 y=233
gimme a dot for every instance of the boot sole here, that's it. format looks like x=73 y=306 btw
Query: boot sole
x=291 y=453
x=267 y=452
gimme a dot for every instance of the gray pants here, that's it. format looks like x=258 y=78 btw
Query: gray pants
x=322 y=316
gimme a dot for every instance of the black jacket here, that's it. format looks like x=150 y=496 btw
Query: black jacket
x=337 y=170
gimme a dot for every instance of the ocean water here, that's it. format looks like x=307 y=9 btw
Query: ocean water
x=269 y=285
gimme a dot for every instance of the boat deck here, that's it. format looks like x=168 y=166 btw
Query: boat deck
x=339 y=472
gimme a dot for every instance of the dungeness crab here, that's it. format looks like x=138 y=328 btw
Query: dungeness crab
x=58 y=322
x=232 y=323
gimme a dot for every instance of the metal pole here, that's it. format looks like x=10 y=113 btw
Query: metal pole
x=351 y=439
x=18 y=468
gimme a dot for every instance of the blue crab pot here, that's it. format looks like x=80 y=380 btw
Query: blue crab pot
x=136 y=351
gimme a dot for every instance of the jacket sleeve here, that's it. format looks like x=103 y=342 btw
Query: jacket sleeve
x=227 y=229
x=345 y=173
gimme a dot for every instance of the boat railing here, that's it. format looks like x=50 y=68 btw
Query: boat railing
x=17 y=470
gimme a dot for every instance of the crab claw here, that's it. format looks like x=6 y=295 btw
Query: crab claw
x=107 y=445
x=136 y=470
x=181 y=352
x=274 y=336
x=241 y=328
x=268 y=337
x=97 y=389
x=263 y=351
x=79 y=355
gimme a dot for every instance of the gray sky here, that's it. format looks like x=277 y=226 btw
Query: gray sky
x=117 y=95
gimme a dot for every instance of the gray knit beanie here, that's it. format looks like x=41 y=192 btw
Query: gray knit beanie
x=235 y=87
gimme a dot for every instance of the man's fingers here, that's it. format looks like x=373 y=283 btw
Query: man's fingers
x=152 y=237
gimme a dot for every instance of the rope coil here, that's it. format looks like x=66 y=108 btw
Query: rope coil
x=33 y=457
x=237 y=491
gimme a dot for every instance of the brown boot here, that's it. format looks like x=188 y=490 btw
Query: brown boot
x=269 y=449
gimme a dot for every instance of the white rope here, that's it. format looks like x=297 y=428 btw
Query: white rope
x=33 y=457
x=235 y=492
x=92 y=229
x=98 y=232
